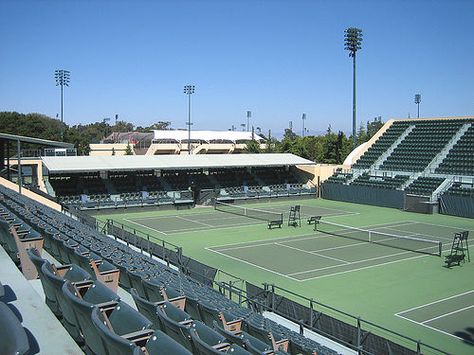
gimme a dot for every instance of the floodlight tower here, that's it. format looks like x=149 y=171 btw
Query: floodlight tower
x=62 y=79
x=303 y=118
x=417 y=102
x=189 y=90
x=249 y=115
x=352 y=43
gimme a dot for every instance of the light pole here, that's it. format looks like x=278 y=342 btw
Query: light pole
x=62 y=79
x=189 y=90
x=417 y=102
x=249 y=115
x=303 y=118
x=352 y=43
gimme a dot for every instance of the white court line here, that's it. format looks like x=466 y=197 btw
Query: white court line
x=252 y=264
x=434 y=302
x=455 y=229
x=353 y=262
x=144 y=226
x=200 y=229
x=294 y=238
x=364 y=268
x=447 y=314
x=308 y=252
x=313 y=235
x=270 y=242
x=192 y=221
x=430 y=327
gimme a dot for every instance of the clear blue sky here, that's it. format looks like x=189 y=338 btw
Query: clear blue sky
x=277 y=58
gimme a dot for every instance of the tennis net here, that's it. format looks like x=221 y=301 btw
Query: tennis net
x=404 y=242
x=254 y=213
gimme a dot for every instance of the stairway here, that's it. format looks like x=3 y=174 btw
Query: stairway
x=434 y=164
x=389 y=151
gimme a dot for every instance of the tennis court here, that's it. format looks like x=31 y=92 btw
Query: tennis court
x=208 y=218
x=381 y=283
x=451 y=315
x=319 y=254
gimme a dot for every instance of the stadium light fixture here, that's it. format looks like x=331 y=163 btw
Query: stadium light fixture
x=249 y=115
x=417 y=102
x=62 y=79
x=352 y=43
x=303 y=118
x=189 y=90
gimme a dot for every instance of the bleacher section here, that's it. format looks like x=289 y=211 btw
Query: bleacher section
x=175 y=187
x=386 y=182
x=381 y=145
x=460 y=159
x=422 y=157
x=421 y=145
x=424 y=185
x=95 y=315
x=461 y=189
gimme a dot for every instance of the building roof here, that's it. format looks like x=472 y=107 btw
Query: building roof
x=206 y=136
x=24 y=139
x=83 y=164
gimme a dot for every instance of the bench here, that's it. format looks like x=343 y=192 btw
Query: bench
x=314 y=219
x=272 y=224
x=454 y=259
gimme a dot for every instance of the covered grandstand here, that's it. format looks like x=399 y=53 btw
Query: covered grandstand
x=160 y=142
x=414 y=164
x=105 y=182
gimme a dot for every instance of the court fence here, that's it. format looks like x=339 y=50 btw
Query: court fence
x=454 y=205
x=363 y=194
x=166 y=251
x=353 y=332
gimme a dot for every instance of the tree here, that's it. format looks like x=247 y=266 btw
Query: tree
x=122 y=126
x=374 y=126
x=252 y=147
x=128 y=150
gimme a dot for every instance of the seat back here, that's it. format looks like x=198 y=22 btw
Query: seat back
x=179 y=332
x=136 y=280
x=147 y=308
x=202 y=345
x=152 y=289
x=37 y=260
x=160 y=343
x=124 y=319
x=56 y=282
x=13 y=338
x=112 y=342
x=82 y=308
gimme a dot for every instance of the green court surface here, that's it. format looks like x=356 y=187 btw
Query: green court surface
x=400 y=289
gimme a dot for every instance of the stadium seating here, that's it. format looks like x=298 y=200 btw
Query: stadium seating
x=461 y=189
x=421 y=145
x=66 y=235
x=13 y=338
x=143 y=188
x=424 y=185
x=118 y=322
x=416 y=157
x=460 y=159
x=82 y=299
x=387 y=182
x=209 y=342
x=385 y=141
